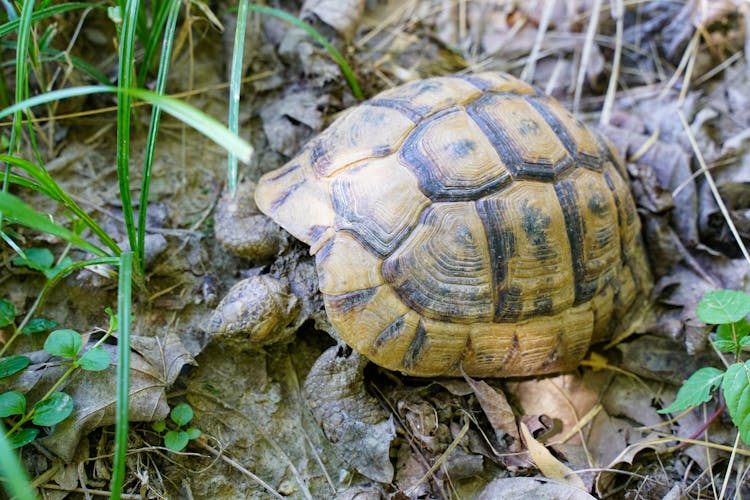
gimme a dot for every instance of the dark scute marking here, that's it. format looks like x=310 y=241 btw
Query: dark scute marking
x=479 y=83
x=463 y=148
x=535 y=224
x=415 y=114
x=350 y=301
x=497 y=136
x=275 y=204
x=391 y=270
x=509 y=305
x=420 y=87
x=319 y=156
x=543 y=305
x=429 y=182
x=610 y=183
x=607 y=154
x=557 y=126
x=374 y=117
x=565 y=136
x=451 y=308
x=502 y=245
x=317 y=231
x=412 y=354
x=361 y=225
x=543 y=172
x=389 y=332
x=382 y=150
x=575 y=227
x=284 y=172
x=468 y=351
x=528 y=127
x=515 y=347
x=324 y=252
x=628 y=208
x=598 y=205
x=618 y=205
x=554 y=353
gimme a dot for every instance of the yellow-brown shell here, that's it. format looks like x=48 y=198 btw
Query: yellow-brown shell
x=465 y=222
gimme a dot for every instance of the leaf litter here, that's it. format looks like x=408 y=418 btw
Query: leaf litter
x=419 y=437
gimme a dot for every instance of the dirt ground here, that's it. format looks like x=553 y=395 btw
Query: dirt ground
x=396 y=436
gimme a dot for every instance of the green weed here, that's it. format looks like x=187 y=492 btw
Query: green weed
x=728 y=309
x=177 y=437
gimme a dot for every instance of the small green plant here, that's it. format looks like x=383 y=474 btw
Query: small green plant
x=55 y=406
x=177 y=439
x=728 y=309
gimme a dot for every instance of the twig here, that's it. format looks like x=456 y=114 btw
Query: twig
x=714 y=190
x=527 y=74
x=240 y=468
x=588 y=43
x=618 y=12
x=729 y=467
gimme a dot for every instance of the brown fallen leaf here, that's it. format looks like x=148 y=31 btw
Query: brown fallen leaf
x=343 y=16
x=154 y=365
x=546 y=462
x=359 y=428
x=94 y=396
x=528 y=488
x=496 y=407
x=652 y=442
x=563 y=398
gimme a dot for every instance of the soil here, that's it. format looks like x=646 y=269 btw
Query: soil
x=354 y=430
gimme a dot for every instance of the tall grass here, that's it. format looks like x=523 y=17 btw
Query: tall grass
x=135 y=25
x=134 y=28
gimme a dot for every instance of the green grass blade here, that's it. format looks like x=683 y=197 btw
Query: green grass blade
x=200 y=121
x=81 y=65
x=54 y=191
x=188 y=114
x=46 y=12
x=235 y=84
x=55 y=95
x=16 y=210
x=124 y=100
x=163 y=10
x=22 y=73
x=27 y=183
x=124 y=291
x=4 y=92
x=48 y=54
x=15 y=478
x=153 y=127
x=335 y=54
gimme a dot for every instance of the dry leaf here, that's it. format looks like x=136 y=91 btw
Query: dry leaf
x=153 y=367
x=290 y=121
x=496 y=407
x=527 y=488
x=341 y=15
x=662 y=359
x=547 y=464
x=564 y=398
x=94 y=394
x=359 y=428
x=651 y=442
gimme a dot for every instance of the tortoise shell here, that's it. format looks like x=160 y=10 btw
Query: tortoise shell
x=465 y=223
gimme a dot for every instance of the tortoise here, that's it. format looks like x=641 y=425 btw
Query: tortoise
x=466 y=224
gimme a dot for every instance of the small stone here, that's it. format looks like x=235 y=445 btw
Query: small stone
x=256 y=311
x=243 y=230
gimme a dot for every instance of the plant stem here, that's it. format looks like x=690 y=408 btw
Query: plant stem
x=30 y=414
